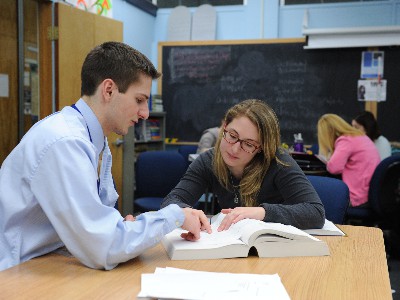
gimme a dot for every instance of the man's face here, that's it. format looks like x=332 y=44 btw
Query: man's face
x=126 y=109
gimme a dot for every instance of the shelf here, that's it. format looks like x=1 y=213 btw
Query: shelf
x=149 y=141
x=157 y=114
x=150 y=133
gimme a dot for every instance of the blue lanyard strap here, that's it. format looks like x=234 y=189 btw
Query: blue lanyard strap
x=74 y=107
x=90 y=137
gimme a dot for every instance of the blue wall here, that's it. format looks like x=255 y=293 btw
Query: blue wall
x=258 y=19
x=139 y=27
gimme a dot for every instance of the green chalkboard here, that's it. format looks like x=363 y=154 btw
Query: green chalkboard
x=201 y=81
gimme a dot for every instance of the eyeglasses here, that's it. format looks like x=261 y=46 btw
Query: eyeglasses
x=232 y=138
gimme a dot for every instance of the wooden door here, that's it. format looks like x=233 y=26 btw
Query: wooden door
x=78 y=32
x=8 y=77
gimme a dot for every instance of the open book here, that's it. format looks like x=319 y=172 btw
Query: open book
x=269 y=239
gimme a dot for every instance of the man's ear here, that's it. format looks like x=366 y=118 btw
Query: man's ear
x=108 y=87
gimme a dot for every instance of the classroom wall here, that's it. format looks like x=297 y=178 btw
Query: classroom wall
x=248 y=21
x=139 y=26
x=258 y=19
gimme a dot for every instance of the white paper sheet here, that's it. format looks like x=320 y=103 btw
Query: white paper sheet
x=172 y=283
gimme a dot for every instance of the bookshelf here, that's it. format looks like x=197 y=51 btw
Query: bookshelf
x=150 y=133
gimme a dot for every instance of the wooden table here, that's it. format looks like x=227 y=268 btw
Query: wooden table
x=356 y=269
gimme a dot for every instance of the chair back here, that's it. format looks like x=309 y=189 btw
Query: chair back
x=334 y=194
x=156 y=174
x=185 y=150
x=384 y=187
x=383 y=195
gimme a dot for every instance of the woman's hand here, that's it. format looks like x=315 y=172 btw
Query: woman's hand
x=239 y=213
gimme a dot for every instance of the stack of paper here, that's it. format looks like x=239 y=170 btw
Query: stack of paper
x=172 y=283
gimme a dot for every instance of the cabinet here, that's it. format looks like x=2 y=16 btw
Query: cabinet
x=150 y=133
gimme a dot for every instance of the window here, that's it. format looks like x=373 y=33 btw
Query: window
x=194 y=3
x=295 y=2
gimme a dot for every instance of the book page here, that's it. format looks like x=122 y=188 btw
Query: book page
x=328 y=229
x=207 y=241
x=250 y=232
x=249 y=229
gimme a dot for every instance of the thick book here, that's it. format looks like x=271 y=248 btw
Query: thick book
x=269 y=239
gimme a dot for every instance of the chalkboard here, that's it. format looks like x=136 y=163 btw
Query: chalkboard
x=200 y=82
x=389 y=111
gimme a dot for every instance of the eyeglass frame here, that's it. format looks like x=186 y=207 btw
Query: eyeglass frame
x=224 y=132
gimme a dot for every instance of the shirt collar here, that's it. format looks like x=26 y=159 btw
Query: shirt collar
x=93 y=124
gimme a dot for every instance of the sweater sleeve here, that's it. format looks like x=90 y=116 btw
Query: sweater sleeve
x=299 y=204
x=340 y=156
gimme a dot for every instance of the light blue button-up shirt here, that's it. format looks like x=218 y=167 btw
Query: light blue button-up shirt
x=49 y=197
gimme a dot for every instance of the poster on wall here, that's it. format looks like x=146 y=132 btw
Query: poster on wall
x=99 y=7
x=372 y=64
x=371 y=90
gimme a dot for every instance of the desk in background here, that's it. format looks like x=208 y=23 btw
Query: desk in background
x=311 y=164
x=356 y=269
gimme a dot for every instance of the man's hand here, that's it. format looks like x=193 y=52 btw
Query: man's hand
x=129 y=218
x=195 y=221
x=239 y=213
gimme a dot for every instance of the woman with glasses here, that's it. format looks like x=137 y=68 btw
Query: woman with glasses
x=251 y=175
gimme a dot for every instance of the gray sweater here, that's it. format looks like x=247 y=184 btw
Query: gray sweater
x=286 y=194
x=208 y=139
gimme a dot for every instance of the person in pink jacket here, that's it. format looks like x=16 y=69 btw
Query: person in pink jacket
x=349 y=152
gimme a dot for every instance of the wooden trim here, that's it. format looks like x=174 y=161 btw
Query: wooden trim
x=159 y=60
x=181 y=143
x=372 y=106
x=45 y=61
x=231 y=42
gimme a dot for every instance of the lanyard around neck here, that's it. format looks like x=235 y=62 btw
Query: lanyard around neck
x=74 y=107
x=90 y=137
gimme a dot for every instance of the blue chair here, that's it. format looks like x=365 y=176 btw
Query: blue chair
x=383 y=196
x=185 y=150
x=207 y=198
x=156 y=173
x=335 y=196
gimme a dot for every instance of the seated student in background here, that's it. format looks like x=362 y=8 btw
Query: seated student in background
x=208 y=139
x=349 y=152
x=250 y=174
x=51 y=194
x=367 y=123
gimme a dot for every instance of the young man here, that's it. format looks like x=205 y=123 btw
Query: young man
x=51 y=193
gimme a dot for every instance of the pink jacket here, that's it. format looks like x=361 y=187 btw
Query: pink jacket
x=355 y=157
